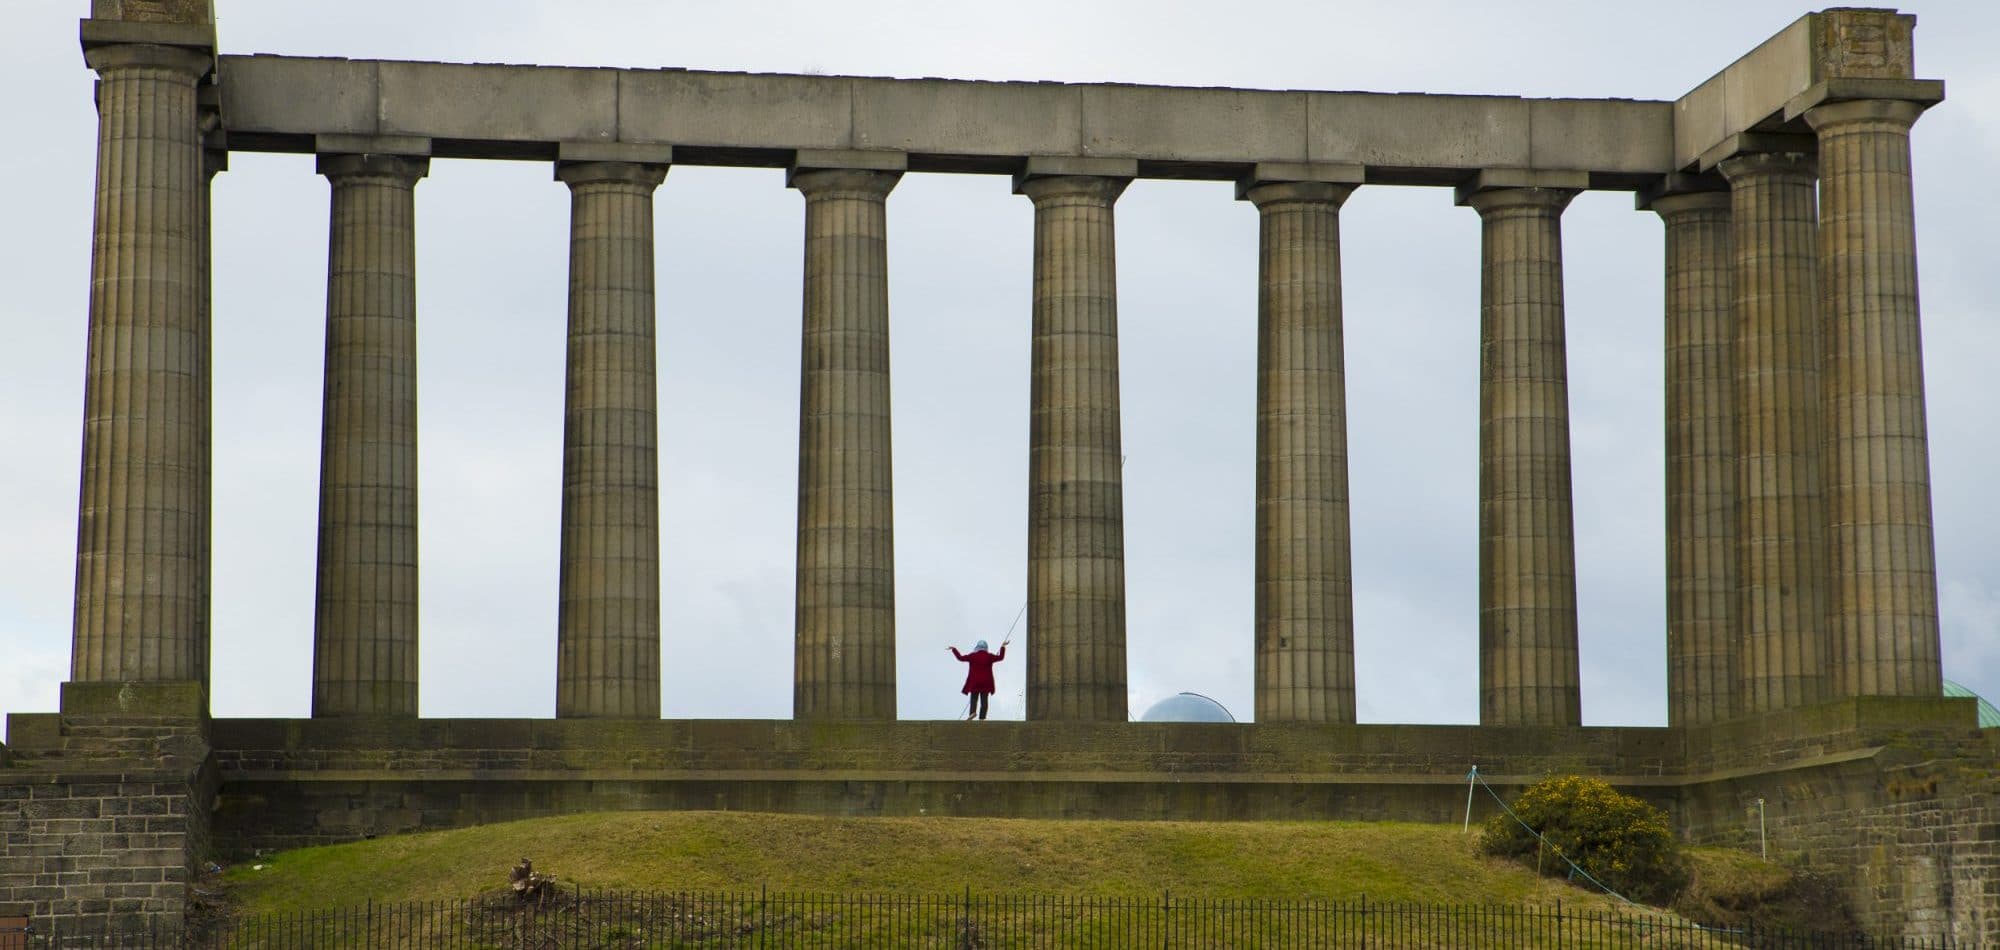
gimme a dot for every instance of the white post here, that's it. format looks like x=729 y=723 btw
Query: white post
x=1762 y=849
x=1470 y=778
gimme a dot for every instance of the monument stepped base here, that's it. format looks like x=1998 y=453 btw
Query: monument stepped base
x=1899 y=797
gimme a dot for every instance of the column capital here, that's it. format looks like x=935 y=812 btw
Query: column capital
x=1549 y=200
x=1084 y=176
x=1744 y=143
x=1039 y=190
x=645 y=175
x=1681 y=191
x=633 y=163
x=1280 y=192
x=1519 y=186
x=406 y=167
x=1669 y=206
x=195 y=62
x=874 y=171
x=1901 y=112
x=1921 y=93
x=1346 y=175
x=1801 y=164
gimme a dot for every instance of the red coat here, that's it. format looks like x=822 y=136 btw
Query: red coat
x=979 y=668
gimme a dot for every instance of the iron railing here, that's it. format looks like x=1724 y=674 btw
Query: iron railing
x=573 y=918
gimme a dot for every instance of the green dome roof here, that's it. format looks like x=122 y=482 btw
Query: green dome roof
x=1988 y=715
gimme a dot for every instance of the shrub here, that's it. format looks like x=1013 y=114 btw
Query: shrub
x=1619 y=840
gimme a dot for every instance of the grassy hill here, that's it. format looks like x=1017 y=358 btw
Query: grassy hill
x=791 y=853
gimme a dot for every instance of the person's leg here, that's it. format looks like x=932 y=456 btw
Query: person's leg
x=983 y=697
x=972 y=705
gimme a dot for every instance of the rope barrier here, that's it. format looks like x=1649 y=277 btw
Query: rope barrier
x=1574 y=868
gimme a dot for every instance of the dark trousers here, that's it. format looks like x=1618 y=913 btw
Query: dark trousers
x=978 y=705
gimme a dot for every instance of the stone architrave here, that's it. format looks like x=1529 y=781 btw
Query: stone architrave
x=1528 y=664
x=608 y=601
x=844 y=664
x=365 y=609
x=1701 y=453
x=143 y=509
x=1781 y=524
x=1076 y=521
x=1883 y=602
x=1304 y=574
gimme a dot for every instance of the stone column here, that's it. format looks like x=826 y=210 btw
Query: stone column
x=214 y=161
x=142 y=509
x=1701 y=451
x=1781 y=524
x=365 y=615
x=844 y=642
x=1304 y=594
x=608 y=591
x=1528 y=670
x=1883 y=595
x=1076 y=506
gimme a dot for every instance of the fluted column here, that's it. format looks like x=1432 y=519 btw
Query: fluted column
x=608 y=600
x=1781 y=524
x=365 y=612
x=1528 y=669
x=1304 y=593
x=845 y=622
x=1076 y=528
x=142 y=511
x=1701 y=453
x=214 y=161
x=1883 y=588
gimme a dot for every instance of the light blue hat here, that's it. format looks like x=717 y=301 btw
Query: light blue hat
x=981 y=645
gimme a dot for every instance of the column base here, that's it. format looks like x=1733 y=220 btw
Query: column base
x=172 y=699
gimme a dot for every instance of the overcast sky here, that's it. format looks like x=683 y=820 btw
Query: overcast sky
x=492 y=253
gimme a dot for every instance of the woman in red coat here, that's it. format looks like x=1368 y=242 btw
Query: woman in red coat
x=979 y=675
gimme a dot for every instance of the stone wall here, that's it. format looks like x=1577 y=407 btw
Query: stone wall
x=105 y=811
x=107 y=815
x=1910 y=823
x=287 y=783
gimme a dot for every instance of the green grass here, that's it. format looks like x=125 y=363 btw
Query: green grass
x=706 y=851
x=1005 y=867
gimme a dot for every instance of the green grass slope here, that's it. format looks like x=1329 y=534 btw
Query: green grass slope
x=700 y=851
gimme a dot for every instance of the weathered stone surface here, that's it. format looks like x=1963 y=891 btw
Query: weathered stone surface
x=735 y=118
x=844 y=662
x=1781 y=523
x=1304 y=602
x=142 y=512
x=608 y=610
x=1701 y=457
x=1076 y=502
x=1528 y=667
x=365 y=611
x=1818 y=53
x=1883 y=622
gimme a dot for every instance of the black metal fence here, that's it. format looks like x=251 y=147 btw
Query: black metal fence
x=620 y=920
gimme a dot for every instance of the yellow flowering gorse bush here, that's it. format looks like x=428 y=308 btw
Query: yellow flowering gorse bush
x=1621 y=841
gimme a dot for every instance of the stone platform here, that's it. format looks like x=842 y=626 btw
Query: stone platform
x=107 y=816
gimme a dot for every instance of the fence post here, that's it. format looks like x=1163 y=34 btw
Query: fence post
x=1166 y=919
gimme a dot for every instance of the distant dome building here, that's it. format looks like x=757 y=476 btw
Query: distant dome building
x=1988 y=715
x=1187 y=707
